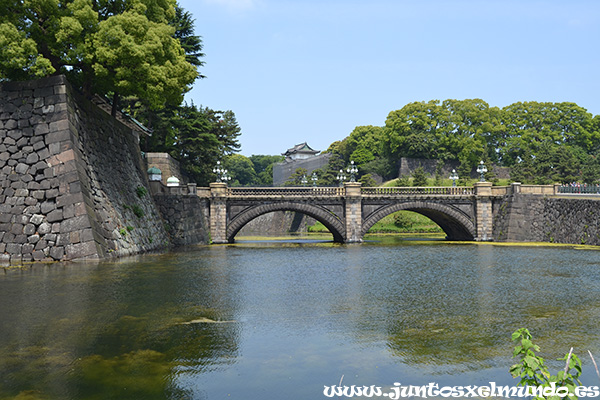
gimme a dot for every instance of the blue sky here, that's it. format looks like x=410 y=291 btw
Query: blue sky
x=312 y=70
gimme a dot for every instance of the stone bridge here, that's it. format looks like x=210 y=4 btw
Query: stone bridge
x=517 y=213
x=464 y=213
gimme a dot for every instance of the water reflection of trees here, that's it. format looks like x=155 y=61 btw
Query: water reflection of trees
x=456 y=307
x=109 y=330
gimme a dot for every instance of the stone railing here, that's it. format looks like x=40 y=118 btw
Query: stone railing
x=159 y=188
x=284 y=191
x=500 y=190
x=395 y=191
x=538 y=189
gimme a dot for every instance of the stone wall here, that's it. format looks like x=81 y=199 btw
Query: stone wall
x=283 y=170
x=167 y=165
x=533 y=218
x=185 y=218
x=277 y=223
x=72 y=181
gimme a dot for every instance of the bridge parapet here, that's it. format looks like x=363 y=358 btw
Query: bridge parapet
x=283 y=191
x=402 y=191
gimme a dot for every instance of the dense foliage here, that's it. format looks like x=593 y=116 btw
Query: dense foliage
x=256 y=170
x=143 y=54
x=116 y=47
x=541 y=142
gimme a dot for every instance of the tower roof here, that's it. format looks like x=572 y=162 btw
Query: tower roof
x=300 y=148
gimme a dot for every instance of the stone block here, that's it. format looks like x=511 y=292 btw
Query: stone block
x=44 y=154
x=55 y=216
x=41 y=129
x=68 y=199
x=86 y=235
x=20 y=239
x=75 y=224
x=56 y=99
x=22 y=193
x=22 y=142
x=29 y=229
x=57 y=252
x=38 y=255
x=41 y=92
x=27 y=248
x=14 y=248
x=21 y=168
x=47 y=207
x=36 y=219
x=82 y=250
x=51 y=193
x=32 y=158
x=39 y=145
x=58 y=136
x=48 y=109
x=74 y=237
x=59 y=125
x=26 y=178
x=16 y=134
x=33 y=239
x=16 y=229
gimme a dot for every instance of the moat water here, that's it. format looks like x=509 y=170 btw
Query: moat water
x=282 y=320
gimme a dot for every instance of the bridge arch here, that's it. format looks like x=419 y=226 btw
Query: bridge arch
x=321 y=214
x=455 y=223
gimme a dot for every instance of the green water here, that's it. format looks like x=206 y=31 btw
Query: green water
x=281 y=320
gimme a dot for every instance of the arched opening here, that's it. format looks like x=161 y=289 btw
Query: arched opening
x=455 y=223
x=324 y=216
x=405 y=222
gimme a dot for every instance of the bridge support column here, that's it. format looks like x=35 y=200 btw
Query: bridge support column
x=483 y=211
x=353 y=212
x=218 y=213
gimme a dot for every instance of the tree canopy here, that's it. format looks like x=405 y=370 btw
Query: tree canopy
x=541 y=142
x=124 y=47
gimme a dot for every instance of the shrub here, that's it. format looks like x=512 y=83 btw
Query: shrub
x=419 y=177
x=141 y=191
x=401 y=220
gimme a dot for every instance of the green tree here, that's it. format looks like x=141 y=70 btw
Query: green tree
x=403 y=181
x=184 y=32
x=188 y=137
x=106 y=47
x=367 y=180
x=531 y=125
x=240 y=169
x=296 y=178
x=196 y=137
x=419 y=177
x=263 y=166
x=328 y=174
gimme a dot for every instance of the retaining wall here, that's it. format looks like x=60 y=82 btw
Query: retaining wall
x=535 y=218
x=72 y=180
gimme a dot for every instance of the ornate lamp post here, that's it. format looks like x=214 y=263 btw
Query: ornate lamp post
x=303 y=180
x=454 y=177
x=221 y=173
x=352 y=170
x=482 y=169
x=341 y=177
x=314 y=179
